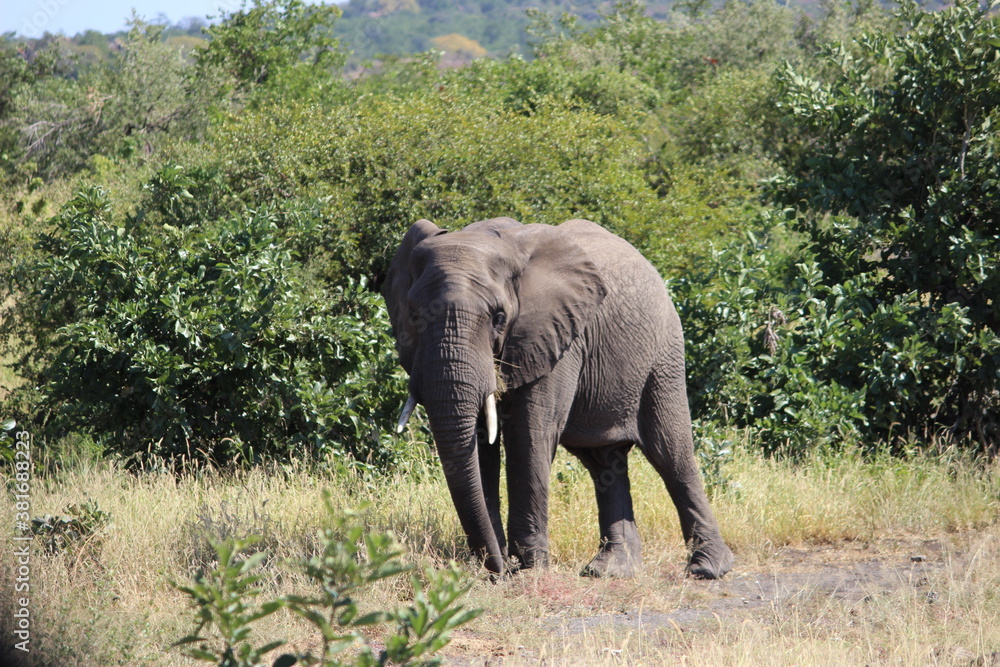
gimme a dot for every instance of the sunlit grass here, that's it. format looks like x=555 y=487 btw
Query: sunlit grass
x=110 y=600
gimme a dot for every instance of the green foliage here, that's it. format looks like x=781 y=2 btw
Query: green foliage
x=906 y=142
x=123 y=108
x=18 y=74
x=525 y=86
x=385 y=162
x=744 y=36
x=225 y=306
x=351 y=560
x=180 y=336
x=146 y=93
x=626 y=41
x=185 y=196
x=282 y=43
x=767 y=346
x=678 y=55
x=777 y=347
x=731 y=124
x=224 y=601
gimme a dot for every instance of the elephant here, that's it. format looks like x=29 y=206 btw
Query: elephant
x=569 y=332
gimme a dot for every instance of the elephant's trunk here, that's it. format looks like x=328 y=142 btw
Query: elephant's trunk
x=457 y=444
x=456 y=383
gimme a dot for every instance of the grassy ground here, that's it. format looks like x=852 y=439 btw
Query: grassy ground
x=840 y=561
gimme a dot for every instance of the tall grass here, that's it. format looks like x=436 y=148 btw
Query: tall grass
x=107 y=600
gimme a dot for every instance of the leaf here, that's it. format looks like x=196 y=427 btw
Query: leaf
x=267 y=648
x=199 y=654
x=372 y=618
x=266 y=609
x=189 y=640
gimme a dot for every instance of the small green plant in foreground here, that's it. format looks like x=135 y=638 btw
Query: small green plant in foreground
x=350 y=560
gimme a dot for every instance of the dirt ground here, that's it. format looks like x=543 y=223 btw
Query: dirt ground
x=563 y=610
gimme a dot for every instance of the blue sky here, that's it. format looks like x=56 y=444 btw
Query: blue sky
x=31 y=18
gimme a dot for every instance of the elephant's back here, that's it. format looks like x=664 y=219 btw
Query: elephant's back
x=613 y=255
x=626 y=272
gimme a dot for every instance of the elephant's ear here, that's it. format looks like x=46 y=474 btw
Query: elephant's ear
x=559 y=292
x=397 y=285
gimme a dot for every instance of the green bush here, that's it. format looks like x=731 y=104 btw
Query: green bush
x=126 y=108
x=203 y=338
x=625 y=41
x=273 y=49
x=906 y=142
x=766 y=346
x=524 y=86
x=18 y=76
x=384 y=162
x=776 y=346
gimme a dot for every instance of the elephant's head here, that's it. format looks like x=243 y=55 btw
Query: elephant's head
x=493 y=306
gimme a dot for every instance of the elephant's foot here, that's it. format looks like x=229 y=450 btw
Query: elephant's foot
x=525 y=557
x=615 y=560
x=711 y=560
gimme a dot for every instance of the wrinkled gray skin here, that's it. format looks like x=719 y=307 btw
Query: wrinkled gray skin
x=591 y=355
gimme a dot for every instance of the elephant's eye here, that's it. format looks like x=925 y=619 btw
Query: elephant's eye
x=499 y=320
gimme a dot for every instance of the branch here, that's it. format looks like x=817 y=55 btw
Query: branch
x=966 y=138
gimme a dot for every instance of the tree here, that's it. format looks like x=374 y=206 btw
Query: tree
x=20 y=69
x=57 y=120
x=165 y=333
x=272 y=38
x=150 y=90
x=906 y=144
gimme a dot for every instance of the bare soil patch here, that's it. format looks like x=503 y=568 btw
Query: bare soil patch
x=833 y=589
x=849 y=572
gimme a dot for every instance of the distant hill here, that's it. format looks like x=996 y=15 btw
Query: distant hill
x=463 y=29
x=371 y=27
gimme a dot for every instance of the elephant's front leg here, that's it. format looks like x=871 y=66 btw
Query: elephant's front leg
x=528 y=466
x=534 y=420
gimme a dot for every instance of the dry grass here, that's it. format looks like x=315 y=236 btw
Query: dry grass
x=824 y=572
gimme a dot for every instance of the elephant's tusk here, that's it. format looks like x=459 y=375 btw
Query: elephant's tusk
x=491 y=418
x=404 y=417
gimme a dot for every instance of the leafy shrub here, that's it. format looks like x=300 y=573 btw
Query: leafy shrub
x=524 y=86
x=731 y=124
x=906 y=143
x=744 y=36
x=198 y=337
x=385 y=162
x=274 y=47
x=126 y=108
x=763 y=341
x=775 y=346
x=18 y=76
x=351 y=560
x=625 y=41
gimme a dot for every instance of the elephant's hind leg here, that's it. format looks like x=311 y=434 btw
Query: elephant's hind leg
x=667 y=441
x=621 y=550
